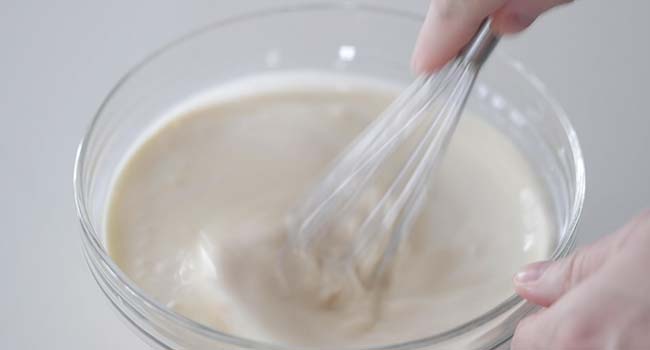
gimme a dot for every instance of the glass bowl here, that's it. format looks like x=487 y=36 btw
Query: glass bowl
x=348 y=37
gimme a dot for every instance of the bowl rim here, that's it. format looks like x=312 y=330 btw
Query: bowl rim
x=93 y=245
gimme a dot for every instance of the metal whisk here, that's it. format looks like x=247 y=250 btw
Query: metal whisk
x=352 y=222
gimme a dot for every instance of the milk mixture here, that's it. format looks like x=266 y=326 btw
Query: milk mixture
x=197 y=215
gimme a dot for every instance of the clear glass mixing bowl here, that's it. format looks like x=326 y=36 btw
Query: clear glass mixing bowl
x=344 y=37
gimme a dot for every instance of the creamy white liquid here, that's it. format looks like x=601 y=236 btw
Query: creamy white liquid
x=196 y=215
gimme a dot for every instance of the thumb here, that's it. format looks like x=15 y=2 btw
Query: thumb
x=545 y=282
x=448 y=26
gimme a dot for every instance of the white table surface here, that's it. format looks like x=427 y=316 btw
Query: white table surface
x=58 y=59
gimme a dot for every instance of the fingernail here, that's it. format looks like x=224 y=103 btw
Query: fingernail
x=531 y=273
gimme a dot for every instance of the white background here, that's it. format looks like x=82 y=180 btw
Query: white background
x=58 y=59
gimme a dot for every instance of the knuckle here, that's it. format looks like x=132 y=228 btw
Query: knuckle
x=574 y=269
x=645 y=214
x=641 y=218
x=524 y=325
x=523 y=337
x=574 y=335
x=637 y=231
x=447 y=9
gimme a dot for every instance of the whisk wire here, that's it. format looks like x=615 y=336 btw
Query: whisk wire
x=426 y=112
x=362 y=159
x=395 y=211
x=395 y=217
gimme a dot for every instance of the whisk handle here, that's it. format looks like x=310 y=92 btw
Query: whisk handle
x=481 y=45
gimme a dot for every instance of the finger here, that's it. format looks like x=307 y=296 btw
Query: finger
x=585 y=318
x=517 y=15
x=449 y=25
x=530 y=330
x=544 y=282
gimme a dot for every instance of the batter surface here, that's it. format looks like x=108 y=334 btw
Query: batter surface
x=196 y=216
